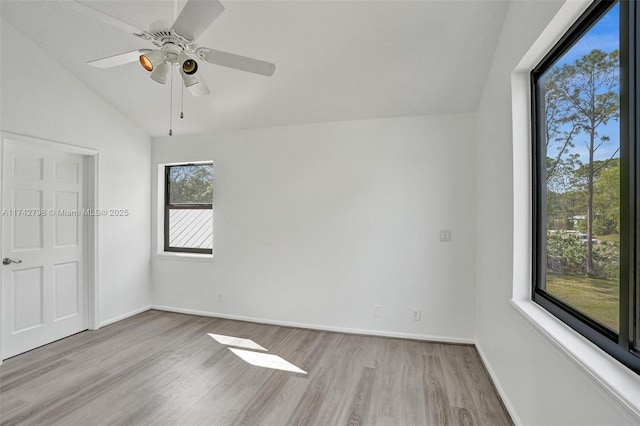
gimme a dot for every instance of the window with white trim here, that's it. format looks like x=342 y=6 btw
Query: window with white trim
x=586 y=179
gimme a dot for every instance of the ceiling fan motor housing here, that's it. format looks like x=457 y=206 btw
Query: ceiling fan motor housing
x=162 y=37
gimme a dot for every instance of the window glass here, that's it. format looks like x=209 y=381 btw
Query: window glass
x=191 y=228
x=190 y=184
x=581 y=202
x=188 y=212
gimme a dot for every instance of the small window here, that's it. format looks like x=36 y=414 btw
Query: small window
x=188 y=212
x=585 y=176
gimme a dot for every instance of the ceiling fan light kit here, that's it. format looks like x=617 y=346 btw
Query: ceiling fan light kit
x=188 y=79
x=150 y=60
x=146 y=63
x=174 y=46
x=159 y=62
x=189 y=66
x=160 y=73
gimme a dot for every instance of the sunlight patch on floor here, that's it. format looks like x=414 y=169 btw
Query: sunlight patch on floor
x=260 y=359
x=236 y=341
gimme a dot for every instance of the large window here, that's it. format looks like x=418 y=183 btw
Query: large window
x=188 y=212
x=586 y=179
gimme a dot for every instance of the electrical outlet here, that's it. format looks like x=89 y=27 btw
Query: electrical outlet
x=416 y=314
x=445 y=235
x=220 y=298
x=377 y=311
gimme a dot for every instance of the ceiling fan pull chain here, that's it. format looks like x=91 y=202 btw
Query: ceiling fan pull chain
x=182 y=101
x=171 y=106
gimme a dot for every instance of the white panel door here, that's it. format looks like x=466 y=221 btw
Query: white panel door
x=43 y=291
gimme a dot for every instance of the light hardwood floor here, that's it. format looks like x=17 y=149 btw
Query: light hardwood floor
x=160 y=368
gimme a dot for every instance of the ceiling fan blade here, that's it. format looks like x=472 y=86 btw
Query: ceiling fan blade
x=101 y=16
x=238 y=62
x=115 y=60
x=199 y=89
x=196 y=16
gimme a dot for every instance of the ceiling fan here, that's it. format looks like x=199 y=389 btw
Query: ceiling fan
x=176 y=46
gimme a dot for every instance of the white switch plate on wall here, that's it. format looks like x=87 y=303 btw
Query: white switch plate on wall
x=416 y=314
x=445 y=235
x=377 y=311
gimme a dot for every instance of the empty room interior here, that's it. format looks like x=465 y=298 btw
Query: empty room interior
x=320 y=212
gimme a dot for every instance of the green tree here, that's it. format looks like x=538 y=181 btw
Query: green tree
x=606 y=199
x=191 y=184
x=558 y=134
x=587 y=98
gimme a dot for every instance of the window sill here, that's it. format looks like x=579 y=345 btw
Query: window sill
x=619 y=381
x=192 y=257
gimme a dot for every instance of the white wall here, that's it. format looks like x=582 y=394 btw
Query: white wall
x=541 y=384
x=40 y=98
x=316 y=224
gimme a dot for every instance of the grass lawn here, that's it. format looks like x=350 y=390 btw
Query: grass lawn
x=595 y=297
x=613 y=238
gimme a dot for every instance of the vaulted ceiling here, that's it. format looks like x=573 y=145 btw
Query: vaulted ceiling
x=335 y=60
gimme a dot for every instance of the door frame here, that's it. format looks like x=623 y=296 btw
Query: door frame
x=90 y=224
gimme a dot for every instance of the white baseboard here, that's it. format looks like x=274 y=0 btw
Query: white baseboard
x=498 y=386
x=319 y=327
x=124 y=316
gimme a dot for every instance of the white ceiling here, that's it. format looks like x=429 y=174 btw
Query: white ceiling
x=335 y=60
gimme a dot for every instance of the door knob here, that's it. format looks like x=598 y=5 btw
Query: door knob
x=7 y=261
